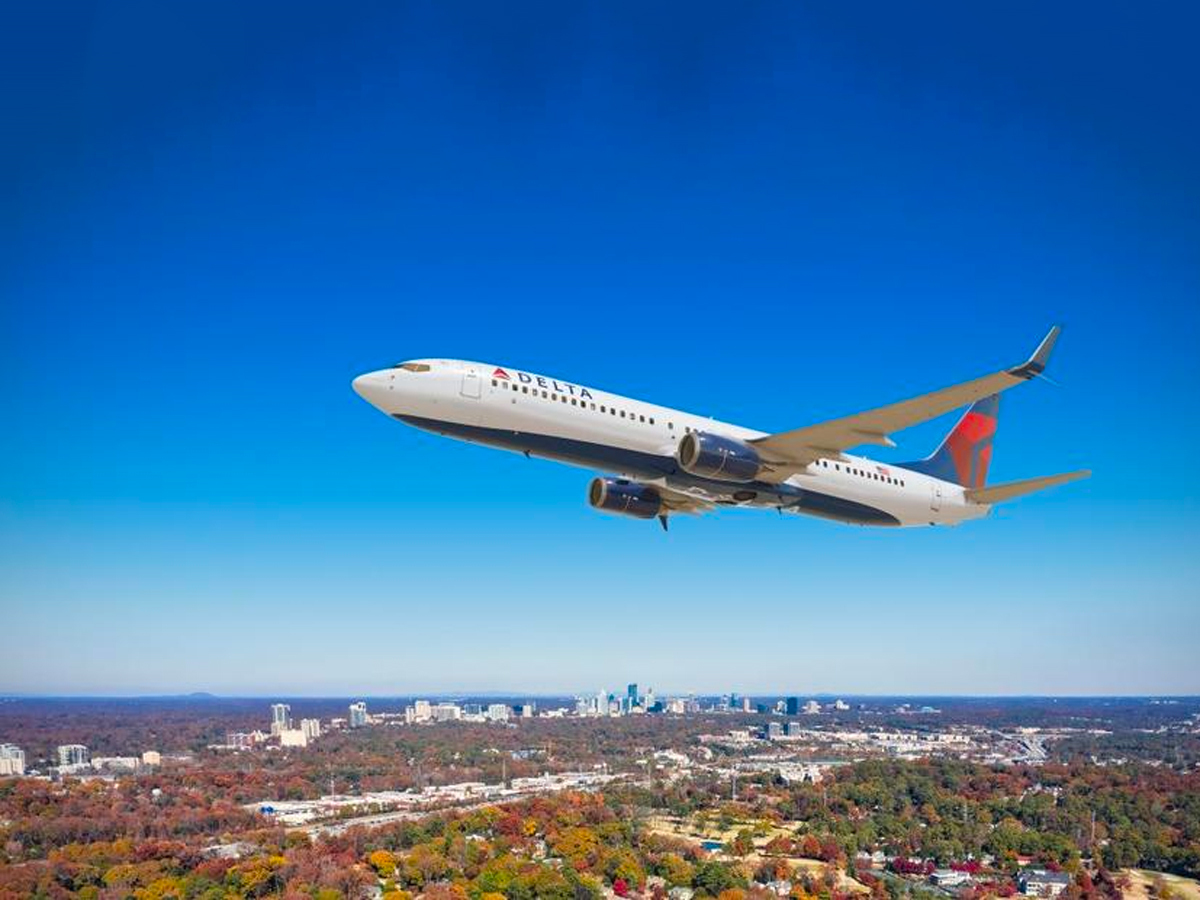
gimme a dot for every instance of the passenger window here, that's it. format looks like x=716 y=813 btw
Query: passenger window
x=573 y=402
x=671 y=425
x=593 y=407
x=602 y=409
x=652 y=420
x=524 y=389
x=493 y=382
x=622 y=414
x=641 y=418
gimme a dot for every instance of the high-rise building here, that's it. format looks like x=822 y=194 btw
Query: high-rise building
x=774 y=731
x=631 y=694
x=811 y=707
x=602 y=703
x=73 y=755
x=311 y=728
x=497 y=712
x=746 y=704
x=793 y=729
x=12 y=760
x=526 y=710
x=293 y=737
x=793 y=705
x=281 y=717
x=358 y=714
x=422 y=711
x=446 y=712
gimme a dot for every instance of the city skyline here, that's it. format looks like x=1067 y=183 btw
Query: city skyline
x=774 y=216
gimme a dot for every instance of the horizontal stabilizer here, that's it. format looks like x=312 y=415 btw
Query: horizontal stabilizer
x=1000 y=492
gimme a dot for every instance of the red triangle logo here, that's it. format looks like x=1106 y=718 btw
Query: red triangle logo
x=500 y=373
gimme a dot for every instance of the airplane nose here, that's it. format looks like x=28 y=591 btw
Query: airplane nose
x=370 y=387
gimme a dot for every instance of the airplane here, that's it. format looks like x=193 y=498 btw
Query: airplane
x=657 y=462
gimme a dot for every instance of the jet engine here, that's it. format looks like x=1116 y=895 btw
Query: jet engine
x=722 y=458
x=629 y=498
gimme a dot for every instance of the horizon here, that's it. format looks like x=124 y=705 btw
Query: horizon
x=775 y=215
x=701 y=695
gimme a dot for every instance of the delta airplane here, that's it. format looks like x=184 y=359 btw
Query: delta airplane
x=658 y=461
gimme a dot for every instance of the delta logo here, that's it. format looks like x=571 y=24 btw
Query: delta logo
x=549 y=384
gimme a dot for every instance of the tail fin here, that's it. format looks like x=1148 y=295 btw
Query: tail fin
x=966 y=451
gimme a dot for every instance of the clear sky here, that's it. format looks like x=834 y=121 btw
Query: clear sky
x=214 y=215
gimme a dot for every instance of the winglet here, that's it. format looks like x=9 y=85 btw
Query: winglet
x=1036 y=364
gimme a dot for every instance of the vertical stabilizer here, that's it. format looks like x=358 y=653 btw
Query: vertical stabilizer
x=964 y=455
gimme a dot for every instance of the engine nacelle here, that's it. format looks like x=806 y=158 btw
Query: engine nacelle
x=714 y=456
x=629 y=498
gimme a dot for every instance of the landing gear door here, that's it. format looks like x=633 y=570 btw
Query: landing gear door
x=472 y=384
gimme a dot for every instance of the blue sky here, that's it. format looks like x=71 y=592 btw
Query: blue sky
x=215 y=216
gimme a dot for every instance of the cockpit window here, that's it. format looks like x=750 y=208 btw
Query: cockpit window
x=412 y=367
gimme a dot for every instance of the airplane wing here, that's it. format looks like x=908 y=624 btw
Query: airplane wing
x=790 y=451
x=678 y=501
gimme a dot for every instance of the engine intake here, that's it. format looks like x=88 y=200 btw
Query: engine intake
x=628 y=498
x=722 y=458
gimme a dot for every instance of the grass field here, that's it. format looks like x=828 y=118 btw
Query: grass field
x=672 y=827
x=1141 y=881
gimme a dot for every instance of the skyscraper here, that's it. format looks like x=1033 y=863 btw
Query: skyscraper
x=12 y=760
x=72 y=754
x=793 y=705
x=358 y=714
x=631 y=694
x=281 y=717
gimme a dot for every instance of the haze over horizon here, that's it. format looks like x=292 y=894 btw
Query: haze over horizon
x=774 y=215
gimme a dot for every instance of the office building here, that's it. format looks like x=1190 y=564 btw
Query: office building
x=422 y=711
x=73 y=755
x=358 y=714
x=497 y=712
x=293 y=737
x=151 y=758
x=12 y=760
x=1041 y=883
x=811 y=707
x=311 y=728
x=281 y=717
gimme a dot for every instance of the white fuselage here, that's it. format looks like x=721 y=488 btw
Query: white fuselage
x=546 y=417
